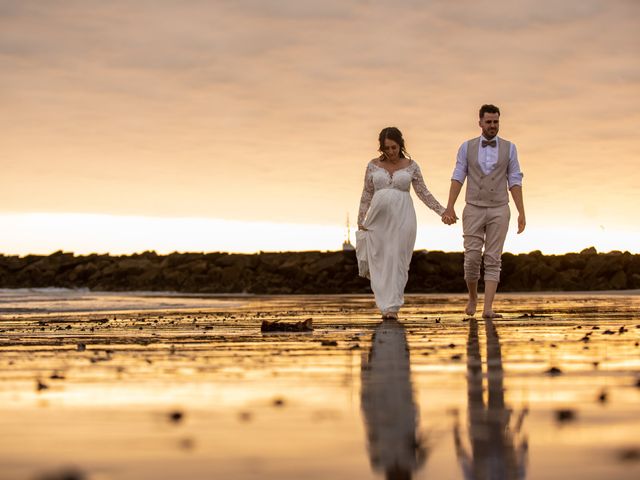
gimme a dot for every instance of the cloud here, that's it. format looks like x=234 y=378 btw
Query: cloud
x=234 y=108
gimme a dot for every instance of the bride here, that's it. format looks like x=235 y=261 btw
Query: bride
x=387 y=221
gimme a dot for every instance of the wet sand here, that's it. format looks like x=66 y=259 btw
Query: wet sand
x=549 y=392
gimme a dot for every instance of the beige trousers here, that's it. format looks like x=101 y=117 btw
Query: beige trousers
x=484 y=227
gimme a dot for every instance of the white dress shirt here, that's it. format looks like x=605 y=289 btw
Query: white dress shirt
x=488 y=158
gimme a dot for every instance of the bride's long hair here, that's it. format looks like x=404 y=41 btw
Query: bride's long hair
x=392 y=133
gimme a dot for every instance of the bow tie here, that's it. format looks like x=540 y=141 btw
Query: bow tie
x=490 y=143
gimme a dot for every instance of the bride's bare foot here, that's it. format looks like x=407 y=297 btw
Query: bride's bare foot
x=491 y=315
x=471 y=306
x=392 y=316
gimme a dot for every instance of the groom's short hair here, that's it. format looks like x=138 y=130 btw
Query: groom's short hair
x=488 y=108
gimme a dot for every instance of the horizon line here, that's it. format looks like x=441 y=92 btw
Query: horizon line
x=261 y=252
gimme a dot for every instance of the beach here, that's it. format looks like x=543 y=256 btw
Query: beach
x=162 y=386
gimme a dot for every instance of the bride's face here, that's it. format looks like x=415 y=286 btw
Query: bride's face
x=391 y=150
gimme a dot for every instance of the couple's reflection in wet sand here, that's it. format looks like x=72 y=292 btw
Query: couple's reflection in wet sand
x=390 y=412
x=495 y=450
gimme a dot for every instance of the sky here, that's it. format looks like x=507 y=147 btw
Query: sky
x=246 y=125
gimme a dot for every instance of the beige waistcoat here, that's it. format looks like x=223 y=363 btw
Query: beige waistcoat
x=487 y=190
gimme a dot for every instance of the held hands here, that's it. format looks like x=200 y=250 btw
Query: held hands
x=449 y=216
x=360 y=227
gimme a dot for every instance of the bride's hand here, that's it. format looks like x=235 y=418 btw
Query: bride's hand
x=360 y=227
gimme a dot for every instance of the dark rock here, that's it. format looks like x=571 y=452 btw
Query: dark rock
x=64 y=474
x=565 y=415
x=553 y=371
x=278 y=326
x=176 y=416
x=629 y=455
x=329 y=343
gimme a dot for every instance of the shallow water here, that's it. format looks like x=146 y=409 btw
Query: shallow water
x=435 y=395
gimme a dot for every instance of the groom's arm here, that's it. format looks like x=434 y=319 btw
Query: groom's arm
x=449 y=216
x=457 y=180
x=514 y=181
x=516 y=194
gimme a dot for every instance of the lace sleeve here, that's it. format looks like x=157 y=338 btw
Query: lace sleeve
x=367 y=194
x=423 y=192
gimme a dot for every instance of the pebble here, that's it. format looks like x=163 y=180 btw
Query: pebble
x=65 y=474
x=629 y=454
x=565 y=415
x=245 y=416
x=176 y=416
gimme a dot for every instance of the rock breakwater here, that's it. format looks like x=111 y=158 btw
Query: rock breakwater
x=309 y=272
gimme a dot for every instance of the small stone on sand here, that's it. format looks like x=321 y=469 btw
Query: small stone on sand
x=176 y=416
x=565 y=415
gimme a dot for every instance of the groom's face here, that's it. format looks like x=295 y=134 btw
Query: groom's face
x=490 y=123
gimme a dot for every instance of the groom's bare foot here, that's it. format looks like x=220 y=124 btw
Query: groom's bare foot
x=471 y=306
x=491 y=315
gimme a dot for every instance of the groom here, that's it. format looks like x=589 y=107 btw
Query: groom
x=491 y=165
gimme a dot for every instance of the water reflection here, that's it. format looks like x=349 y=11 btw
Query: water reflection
x=496 y=449
x=388 y=406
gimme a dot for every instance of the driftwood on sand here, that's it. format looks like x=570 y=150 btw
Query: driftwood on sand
x=278 y=326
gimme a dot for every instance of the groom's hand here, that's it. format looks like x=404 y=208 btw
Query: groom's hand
x=449 y=216
x=522 y=222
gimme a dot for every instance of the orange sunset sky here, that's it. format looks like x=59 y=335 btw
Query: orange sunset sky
x=246 y=125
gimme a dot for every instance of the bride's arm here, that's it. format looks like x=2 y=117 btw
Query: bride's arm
x=423 y=192
x=365 y=199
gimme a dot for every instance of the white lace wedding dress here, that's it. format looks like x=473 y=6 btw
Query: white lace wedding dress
x=384 y=249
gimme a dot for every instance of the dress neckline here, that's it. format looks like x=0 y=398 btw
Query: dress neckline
x=391 y=174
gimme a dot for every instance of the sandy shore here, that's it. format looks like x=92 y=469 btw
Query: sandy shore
x=549 y=392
